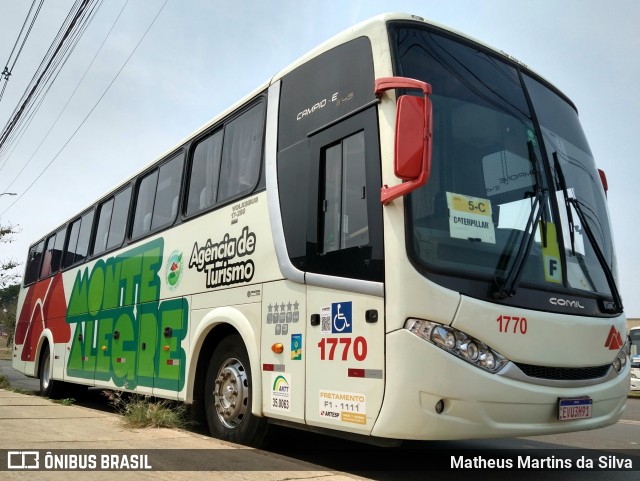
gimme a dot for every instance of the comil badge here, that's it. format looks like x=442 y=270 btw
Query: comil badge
x=614 y=340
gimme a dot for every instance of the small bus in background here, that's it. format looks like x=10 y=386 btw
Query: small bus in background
x=634 y=337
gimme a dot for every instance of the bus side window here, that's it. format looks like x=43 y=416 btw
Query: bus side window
x=52 y=254
x=165 y=206
x=33 y=263
x=205 y=168
x=119 y=218
x=112 y=221
x=157 y=198
x=144 y=205
x=241 y=153
x=78 y=240
x=344 y=209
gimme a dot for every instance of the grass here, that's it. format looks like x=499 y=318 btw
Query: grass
x=140 y=411
x=5 y=384
x=68 y=401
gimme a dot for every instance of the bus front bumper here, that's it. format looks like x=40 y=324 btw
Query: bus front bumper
x=477 y=404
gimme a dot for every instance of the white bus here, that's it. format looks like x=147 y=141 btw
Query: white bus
x=402 y=235
x=634 y=339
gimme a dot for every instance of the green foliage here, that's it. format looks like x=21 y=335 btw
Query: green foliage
x=8 y=307
x=8 y=274
x=5 y=384
x=141 y=411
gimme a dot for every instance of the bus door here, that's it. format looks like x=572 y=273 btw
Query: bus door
x=345 y=307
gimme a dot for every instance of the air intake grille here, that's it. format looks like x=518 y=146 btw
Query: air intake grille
x=564 y=373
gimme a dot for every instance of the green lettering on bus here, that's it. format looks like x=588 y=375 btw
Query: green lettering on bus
x=120 y=323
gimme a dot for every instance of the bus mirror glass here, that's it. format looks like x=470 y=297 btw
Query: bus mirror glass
x=603 y=179
x=410 y=144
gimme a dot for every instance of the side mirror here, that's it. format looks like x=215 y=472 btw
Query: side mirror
x=603 y=179
x=413 y=136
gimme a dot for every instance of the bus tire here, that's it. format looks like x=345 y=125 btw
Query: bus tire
x=228 y=395
x=48 y=386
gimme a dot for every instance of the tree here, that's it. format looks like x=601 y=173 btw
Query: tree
x=9 y=287
x=8 y=307
x=8 y=274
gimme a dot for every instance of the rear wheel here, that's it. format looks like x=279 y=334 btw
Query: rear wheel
x=228 y=395
x=48 y=386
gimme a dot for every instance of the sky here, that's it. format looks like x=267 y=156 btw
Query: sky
x=200 y=57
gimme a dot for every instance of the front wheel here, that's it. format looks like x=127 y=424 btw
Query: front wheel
x=228 y=394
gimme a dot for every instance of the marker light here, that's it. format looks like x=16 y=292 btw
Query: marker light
x=458 y=343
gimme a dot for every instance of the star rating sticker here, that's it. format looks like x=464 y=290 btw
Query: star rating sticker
x=289 y=306
x=282 y=307
x=275 y=308
x=295 y=306
x=270 y=307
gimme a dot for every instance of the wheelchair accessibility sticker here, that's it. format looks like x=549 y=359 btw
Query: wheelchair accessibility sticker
x=341 y=321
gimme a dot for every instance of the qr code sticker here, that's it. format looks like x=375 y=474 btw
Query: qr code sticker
x=325 y=320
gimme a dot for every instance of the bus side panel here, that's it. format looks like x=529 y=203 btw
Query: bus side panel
x=345 y=360
x=283 y=355
x=42 y=308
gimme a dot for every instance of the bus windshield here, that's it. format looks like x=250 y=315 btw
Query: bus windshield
x=512 y=177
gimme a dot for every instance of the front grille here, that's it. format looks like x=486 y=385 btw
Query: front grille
x=564 y=373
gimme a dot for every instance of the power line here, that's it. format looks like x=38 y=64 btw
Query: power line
x=64 y=108
x=14 y=138
x=90 y=112
x=6 y=73
x=11 y=125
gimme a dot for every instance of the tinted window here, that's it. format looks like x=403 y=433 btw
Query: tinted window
x=52 y=254
x=205 y=168
x=329 y=191
x=158 y=195
x=119 y=218
x=227 y=163
x=72 y=244
x=78 y=244
x=241 y=153
x=102 y=231
x=112 y=222
x=33 y=263
x=82 y=250
x=144 y=205
x=167 y=193
x=345 y=203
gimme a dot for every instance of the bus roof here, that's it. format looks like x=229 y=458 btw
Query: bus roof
x=375 y=27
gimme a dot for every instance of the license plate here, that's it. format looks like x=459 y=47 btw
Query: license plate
x=574 y=408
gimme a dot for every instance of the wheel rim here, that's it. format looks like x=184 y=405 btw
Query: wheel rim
x=231 y=393
x=46 y=375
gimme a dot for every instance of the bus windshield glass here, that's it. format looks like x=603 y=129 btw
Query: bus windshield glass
x=510 y=170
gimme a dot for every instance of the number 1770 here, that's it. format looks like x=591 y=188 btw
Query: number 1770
x=513 y=324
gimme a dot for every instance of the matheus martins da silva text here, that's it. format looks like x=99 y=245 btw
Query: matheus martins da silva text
x=548 y=462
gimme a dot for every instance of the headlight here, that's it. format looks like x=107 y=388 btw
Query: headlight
x=458 y=343
x=622 y=357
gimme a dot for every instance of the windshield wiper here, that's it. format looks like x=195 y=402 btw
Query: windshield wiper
x=507 y=286
x=608 y=273
x=565 y=193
